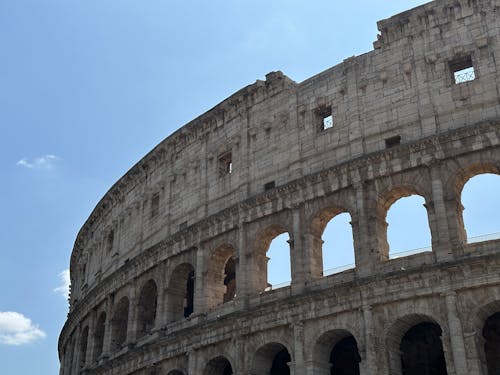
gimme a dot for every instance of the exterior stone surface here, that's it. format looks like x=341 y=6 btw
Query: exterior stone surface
x=199 y=198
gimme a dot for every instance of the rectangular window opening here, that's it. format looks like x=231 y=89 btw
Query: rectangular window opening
x=155 y=204
x=462 y=70
x=327 y=122
x=269 y=186
x=393 y=141
x=225 y=164
x=183 y=225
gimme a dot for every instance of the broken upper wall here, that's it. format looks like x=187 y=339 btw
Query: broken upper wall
x=272 y=132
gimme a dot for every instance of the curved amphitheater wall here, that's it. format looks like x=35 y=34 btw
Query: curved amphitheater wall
x=169 y=273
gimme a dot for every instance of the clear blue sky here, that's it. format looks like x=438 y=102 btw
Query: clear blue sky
x=88 y=87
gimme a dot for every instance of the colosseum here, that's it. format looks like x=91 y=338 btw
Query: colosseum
x=169 y=274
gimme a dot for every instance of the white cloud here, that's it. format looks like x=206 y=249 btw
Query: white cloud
x=16 y=329
x=63 y=288
x=41 y=162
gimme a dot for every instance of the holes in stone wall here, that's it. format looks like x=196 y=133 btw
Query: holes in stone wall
x=180 y=298
x=225 y=164
x=392 y=141
x=422 y=350
x=408 y=229
x=146 y=308
x=324 y=118
x=110 y=240
x=338 y=246
x=230 y=279
x=462 y=69
x=119 y=324
x=491 y=335
x=99 y=335
x=345 y=357
x=481 y=215
x=218 y=366
x=269 y=186
x=278 y=265
x=83 y=346
x=155 y=204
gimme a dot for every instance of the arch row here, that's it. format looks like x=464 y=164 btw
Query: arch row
x=414 y=343
x=162 y=300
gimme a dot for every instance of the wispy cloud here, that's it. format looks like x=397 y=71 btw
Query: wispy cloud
x=63 y=288
x=41 y=162
x=16 y=329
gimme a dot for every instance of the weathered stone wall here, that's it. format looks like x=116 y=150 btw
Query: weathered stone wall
x=401 y=126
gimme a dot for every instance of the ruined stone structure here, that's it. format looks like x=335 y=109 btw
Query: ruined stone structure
x=169 y=273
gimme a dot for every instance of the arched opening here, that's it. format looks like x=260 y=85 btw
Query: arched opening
x=336 y=352
x=481 y=207
x=83 y=346
x=119 y=324
x=272 y=259
x=181 y=293
x=218 y=366
x=221 y=276
x=491 y=335
x=422 y=350
x=332 y=236
x=408 y=230
x=230 y=279
x=146 y=308
x=345 y=357
x=271 y=359
x=99 y=335
x=175 y=372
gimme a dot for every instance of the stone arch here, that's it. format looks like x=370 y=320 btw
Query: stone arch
x=84 y=337
x=478 y=318
x=146 y=308
x=271 y=359
x=336 y=352
x=259 y=255
x=221 y=276
x=463 y=178
x=180 y=292
x=410 y=334
x=175 y=372
x=218 y=366
x=318 y=224
x=119 y=324
x=386 y=201
x=100 y=329
x=461 y=170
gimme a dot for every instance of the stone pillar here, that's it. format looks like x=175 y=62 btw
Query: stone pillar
x=368 y=365
x=298 y=340
x=199 y=277
x=242 y=266
x=456 y=334
x=91 y=338
x=369 y=247
x=192 y=368
x=107 y=330
x=132 y=318
x=439 y=222
x=76 y=358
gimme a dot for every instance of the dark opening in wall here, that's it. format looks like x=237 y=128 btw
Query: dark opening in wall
x=325 y=119
x=225 y=164
x=392 y=141
x=110 y=240
x=183 y=225
x=269 y=186
x=462 y=70
x=155 y=204
x=189 y=299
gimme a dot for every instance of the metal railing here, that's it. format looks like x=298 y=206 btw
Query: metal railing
x=396 y=255
x=465 y=75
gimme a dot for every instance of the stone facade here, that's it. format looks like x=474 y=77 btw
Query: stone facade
x=169 y=273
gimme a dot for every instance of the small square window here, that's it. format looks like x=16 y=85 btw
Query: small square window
x=392 y=141
x=110 y=240
x=462 y=70
x=327 y=122
x=183 y=225
x=225 y=164
x=269 y=186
